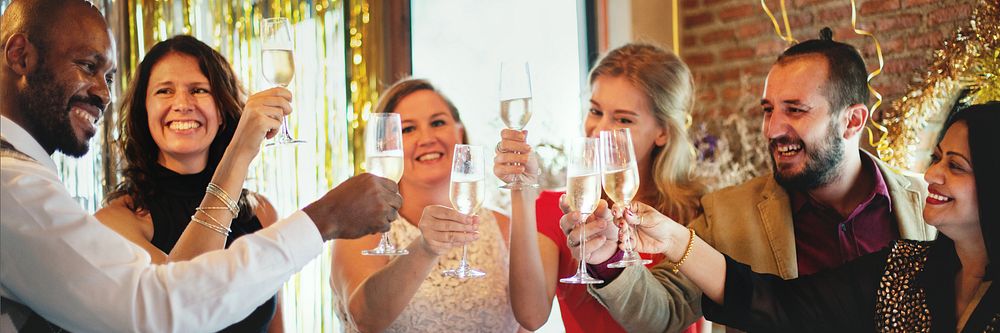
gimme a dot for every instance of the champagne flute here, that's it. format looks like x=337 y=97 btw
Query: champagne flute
x=384 y=158
x=583 y=192
x=515 y=104
x=621 y=183
x=467 y=194
x=277 y=64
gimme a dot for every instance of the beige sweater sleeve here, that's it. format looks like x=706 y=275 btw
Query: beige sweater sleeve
x=652 y=300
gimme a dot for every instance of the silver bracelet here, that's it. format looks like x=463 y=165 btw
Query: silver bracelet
x=218 y=229
x=221 y=194
x=214 y=220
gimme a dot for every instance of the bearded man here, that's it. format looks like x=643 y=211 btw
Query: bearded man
x=60 y=268
x=825 y=202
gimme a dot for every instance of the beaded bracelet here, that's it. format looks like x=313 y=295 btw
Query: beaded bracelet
x=677 y=265
x=221 y=194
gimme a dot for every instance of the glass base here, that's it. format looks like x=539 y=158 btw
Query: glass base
x=380 y=251
x=517 y=186
x=581 y=278
x=463 y=272
x=631 y=258
x=283 y=142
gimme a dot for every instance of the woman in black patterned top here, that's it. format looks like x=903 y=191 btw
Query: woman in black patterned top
x=939 y=286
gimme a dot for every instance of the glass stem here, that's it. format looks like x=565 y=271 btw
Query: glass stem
x=384 y=243
x=627 y=232
x=517 y=176
x=464 y=265
x=284 y=127
x=583 y=245
x=627 y=238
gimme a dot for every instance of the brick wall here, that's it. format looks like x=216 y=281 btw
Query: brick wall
x=731 y=44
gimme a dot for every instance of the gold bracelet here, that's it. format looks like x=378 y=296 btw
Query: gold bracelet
x=677 y=265
x=215 y=228
x=221 y=194
x=214 y=220
x=214 y=208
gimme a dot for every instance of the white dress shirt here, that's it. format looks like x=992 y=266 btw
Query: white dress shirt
x=72 y=270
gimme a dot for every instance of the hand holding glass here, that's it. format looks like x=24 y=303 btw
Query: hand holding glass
x=621 y=183
x=384 y=158
x=583 y=192
x=277 y=64
x=515 y=104
x=467 y=193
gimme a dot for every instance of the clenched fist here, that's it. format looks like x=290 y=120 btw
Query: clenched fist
x=262 y=116
x=362 y=205
x=515 y=159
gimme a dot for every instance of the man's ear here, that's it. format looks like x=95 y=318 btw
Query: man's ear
x=19 y=54
x=856 y=118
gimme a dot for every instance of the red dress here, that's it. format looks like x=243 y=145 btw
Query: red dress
x=578 y=308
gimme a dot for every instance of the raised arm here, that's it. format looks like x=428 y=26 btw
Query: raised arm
x=534 y=258
x=261 y=118
x=377 y=289
x=534 y=262
x=206 y=232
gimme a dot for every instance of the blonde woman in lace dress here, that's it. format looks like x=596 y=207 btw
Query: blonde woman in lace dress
x=407 y=293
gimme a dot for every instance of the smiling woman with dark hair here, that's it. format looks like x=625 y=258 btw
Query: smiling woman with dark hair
x=943 y=285
x=180 y=116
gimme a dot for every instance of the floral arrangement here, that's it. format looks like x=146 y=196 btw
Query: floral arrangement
x=730 y=148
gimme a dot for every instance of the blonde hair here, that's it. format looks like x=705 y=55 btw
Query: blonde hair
x=667 y=81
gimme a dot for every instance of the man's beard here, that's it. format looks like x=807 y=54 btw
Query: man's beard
x=822 y=163
x=49 y=118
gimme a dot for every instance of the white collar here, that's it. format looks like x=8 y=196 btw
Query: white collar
x=24 y=142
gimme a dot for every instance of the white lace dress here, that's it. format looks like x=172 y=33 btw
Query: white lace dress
x=444 y=304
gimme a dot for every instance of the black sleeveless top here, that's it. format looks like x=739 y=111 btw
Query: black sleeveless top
x=175 y=198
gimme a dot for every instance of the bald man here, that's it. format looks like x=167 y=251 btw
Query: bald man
x=62 y=269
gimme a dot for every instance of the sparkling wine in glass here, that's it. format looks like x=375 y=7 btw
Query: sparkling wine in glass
x=277 y=64
x=384 y=158
x=583 y=192
x=516 y=112
x=467 y=194
x=515 y=104
x=621 y=183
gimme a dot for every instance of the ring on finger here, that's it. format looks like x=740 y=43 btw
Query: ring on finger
x=500 y=149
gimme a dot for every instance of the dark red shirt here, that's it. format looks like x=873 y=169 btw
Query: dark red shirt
x=824 y=239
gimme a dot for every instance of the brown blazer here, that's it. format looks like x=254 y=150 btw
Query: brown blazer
x=751 y=222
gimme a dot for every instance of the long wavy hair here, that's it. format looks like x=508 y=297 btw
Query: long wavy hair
x=668 y=84
x=139 y=151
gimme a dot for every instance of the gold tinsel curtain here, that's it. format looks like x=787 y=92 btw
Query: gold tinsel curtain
x=289 y=177
x=969 y=60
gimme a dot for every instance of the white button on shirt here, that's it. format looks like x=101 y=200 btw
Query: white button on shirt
x=72 y=270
